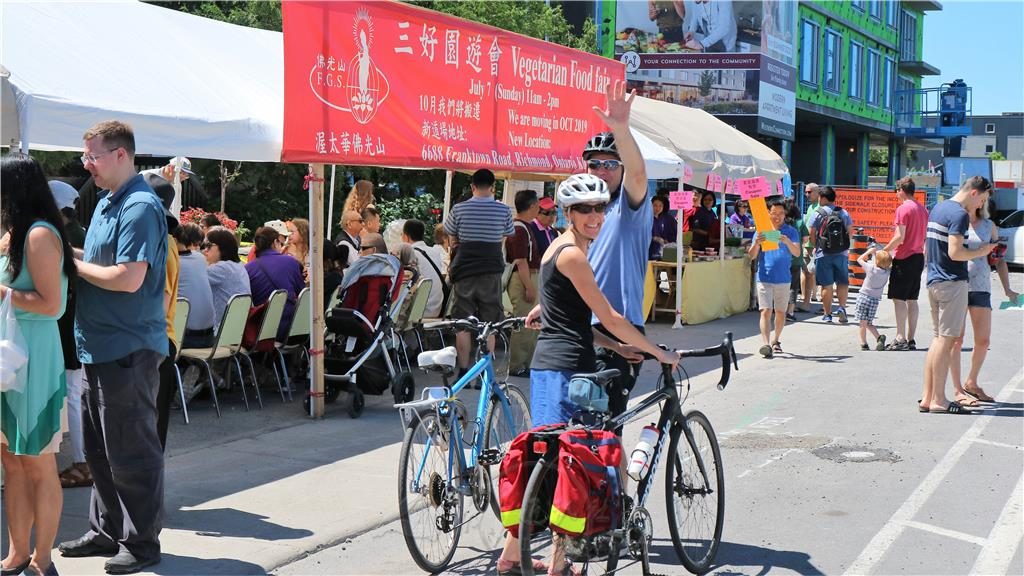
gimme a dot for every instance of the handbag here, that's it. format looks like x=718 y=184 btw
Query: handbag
x=253 y=324
x=13 y=349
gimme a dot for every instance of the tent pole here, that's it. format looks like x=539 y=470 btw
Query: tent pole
x=679 y=269
x=330 y=204
x=316 y=242
x=447 y=195
x=721 y=232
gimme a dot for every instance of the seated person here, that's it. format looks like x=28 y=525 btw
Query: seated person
x=664 y=229
x=373 y=244
x=194 y=284
x=274 y=270
x=226 y=272
x=703 y=221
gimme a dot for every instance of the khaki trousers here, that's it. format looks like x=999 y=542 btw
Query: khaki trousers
x=521 y=343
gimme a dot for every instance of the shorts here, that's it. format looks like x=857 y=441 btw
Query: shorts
x=979 y=300
x=772 y=296
x=832 y=269
x=478 y=296
x=549 y=397
x=867 y=307
x=948 y=301
x=905 y=278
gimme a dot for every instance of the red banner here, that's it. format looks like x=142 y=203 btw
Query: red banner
x=390 y=84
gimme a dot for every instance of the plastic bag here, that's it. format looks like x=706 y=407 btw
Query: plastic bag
x=13 y=350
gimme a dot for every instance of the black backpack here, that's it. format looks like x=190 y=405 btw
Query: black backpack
x=833 y=236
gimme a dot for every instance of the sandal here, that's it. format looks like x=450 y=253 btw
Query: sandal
x=567 y=570
x=516 y=569
x=979 y=395
x=953 y=408
x=75 y=476
x=968 y=401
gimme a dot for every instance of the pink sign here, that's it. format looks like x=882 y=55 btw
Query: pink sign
x=687 y=174
x=714 y=182
x=778 y=185
x=750 y=188
x=680 y=200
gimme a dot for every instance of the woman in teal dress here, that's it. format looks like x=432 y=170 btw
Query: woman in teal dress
x=35 y=264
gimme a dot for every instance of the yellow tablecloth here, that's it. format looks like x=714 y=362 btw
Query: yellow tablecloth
x=713 y=290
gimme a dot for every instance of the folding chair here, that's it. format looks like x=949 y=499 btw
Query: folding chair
x=417 y=308
x=298 y=335
x=181 y=310
x=335 y=298
x=265 y=339
x=228 y=345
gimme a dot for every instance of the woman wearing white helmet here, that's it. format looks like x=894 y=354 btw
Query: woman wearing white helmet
x=569 y=297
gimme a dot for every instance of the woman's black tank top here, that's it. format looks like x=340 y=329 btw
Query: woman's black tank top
x=566 y=340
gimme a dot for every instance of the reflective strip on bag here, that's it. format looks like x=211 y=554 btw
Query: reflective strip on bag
x=567 y=523
x=510 y=518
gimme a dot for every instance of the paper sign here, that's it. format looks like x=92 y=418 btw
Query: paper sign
x=714 y=182
x=680 y=200
x=778 y=185
x=728 y=186
x=687 y=174
x=750 y=188
x=771 y=235
x=762 y=221
x=1011 y=305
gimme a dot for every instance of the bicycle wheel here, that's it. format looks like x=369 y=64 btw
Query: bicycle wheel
x=696 y=507
x=431 y=511
x=499 y=432
x=536 y=540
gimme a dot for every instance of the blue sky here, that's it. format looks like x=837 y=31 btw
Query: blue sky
x=981 y=42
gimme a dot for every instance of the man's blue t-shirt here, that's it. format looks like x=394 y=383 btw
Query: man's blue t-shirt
x=948 y=218
x=110 y=325
x=773 y=266
x=619 y=255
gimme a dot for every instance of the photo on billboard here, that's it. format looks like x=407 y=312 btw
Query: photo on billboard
x=716 y=91
x=667 y=26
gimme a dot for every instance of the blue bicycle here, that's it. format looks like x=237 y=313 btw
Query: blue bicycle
x=435 y=472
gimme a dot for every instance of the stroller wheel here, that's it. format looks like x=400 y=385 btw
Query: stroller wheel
x=403 y=387
x=331 y=394
x=356 y=403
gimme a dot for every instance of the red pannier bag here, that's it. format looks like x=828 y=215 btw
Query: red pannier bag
x=587 y=497
x=514 y=475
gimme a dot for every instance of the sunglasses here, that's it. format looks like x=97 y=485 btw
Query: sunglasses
x=606 y=164
x=547 y=212
x=205 y=245
x=589 y=208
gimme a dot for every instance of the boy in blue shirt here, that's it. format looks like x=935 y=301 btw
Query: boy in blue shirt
x=773 y=275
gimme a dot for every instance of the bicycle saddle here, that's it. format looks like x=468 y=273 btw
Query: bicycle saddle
x=442 y=360
x=603 y=378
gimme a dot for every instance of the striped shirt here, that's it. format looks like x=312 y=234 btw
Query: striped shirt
x=948 y=218
x=480 y=220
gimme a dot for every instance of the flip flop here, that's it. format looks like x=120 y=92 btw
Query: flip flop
x=968 y=402
x=979 y=394
x=953 y=408
x=516 y=569
x=76 y=476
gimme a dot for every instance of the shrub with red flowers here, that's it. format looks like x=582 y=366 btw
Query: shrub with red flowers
x=196 y=215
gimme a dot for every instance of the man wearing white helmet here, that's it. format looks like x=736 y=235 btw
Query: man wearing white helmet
x=619 y=254
x=569 y=298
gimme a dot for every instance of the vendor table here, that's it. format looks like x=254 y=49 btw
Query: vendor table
x=711 y=290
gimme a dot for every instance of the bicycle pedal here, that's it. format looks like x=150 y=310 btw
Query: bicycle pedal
x=490 y=457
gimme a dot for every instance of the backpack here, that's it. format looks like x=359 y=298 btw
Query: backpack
x=514 y=474
x=587 y=496
x=832 y=235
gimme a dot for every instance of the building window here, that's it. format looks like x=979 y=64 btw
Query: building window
x=833 y=60
x=856 y=80
x=858 y=4
x=809 y=52
x=989 y=148
x=908 y=37
x=889 y=79
x=906 y=100
x=990 y=128
x=873 y=69
x=875 y=9
x=892 y=10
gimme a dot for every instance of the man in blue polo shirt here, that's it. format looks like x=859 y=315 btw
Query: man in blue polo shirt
x=774 y=275
x=121 y=334
x=619 y=253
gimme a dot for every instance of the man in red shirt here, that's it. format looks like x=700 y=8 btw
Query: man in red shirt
x=908 y=237
x=524 y=256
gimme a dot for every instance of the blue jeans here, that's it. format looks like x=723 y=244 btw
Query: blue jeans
x=549 y=397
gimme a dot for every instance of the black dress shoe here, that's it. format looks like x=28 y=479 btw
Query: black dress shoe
x=126 y=563
x=15 y=570
x=86 y=546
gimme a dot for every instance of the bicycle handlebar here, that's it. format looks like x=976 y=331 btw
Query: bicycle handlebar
x=482 y=329
x=725 y=350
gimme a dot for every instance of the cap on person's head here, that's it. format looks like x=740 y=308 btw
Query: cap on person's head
x=185 y=163
x=165 y=192
x=546 y=203
x=278 y=226
x=483 y=178
x=64 y=194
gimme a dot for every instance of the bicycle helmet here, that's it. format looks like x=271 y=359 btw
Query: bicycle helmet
x=581 y=188
x=603 y=142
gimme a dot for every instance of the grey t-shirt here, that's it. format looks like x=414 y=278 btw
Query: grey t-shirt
x=194 y=285
x=226 y=279
x=875 y=279
x=979 y=277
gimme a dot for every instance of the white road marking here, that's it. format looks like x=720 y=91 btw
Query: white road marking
x=744 y=473
x=883 y=540
x=999 y=444
x=1005 y=537
x=946 y=532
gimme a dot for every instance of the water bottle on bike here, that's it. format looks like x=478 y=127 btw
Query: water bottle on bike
x=640 y=460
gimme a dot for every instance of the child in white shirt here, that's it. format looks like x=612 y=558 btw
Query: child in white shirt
x=876 y=275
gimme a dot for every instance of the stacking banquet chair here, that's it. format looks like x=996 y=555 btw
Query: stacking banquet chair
x=181 y=310
x=298 y=336
x=416 y=310
x=266 y=337
x=227 y=345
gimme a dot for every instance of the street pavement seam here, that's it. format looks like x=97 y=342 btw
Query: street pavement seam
x=1001 y=545
x=884 y=539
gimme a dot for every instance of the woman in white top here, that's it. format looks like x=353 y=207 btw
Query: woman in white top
x=979 y=307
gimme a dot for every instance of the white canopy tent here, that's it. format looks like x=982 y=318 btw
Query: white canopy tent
x=187 y=85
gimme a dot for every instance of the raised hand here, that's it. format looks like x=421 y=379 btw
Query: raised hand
x=617 y=106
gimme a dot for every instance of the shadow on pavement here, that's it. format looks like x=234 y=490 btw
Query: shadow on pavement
x=183 y=565
x=733 y=558
x=1012 y=409
x=228 y=522
x=826 y=359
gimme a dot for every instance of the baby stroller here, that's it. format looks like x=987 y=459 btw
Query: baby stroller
x=363 y=353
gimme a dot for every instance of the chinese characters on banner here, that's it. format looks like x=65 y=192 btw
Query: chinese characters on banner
x=387 y=83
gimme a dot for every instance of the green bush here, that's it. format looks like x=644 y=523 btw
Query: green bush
x=425 y=208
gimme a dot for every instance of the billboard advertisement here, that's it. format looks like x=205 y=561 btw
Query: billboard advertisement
x=727 y=58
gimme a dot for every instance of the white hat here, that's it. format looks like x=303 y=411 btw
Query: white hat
x=279 y=226
x=64 y=194
x=185 y=163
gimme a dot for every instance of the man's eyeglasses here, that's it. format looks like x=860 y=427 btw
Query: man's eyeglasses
x=546 y=212
x=87 y=158
x=589 y=208
x=606 y=164
x=205 y=246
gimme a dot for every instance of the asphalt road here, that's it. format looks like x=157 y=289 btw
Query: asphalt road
x=830 y=469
